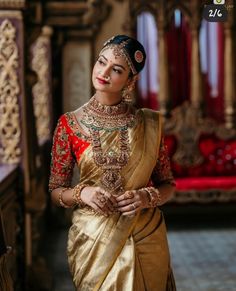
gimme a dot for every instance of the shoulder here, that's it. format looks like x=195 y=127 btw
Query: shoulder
x=150 y=114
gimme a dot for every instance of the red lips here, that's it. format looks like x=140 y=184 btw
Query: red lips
x=101 y=81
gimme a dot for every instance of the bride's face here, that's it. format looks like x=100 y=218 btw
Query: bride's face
x=110 y=72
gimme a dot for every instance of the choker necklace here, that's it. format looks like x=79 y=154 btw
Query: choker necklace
x=108 y=118
x=99 y=117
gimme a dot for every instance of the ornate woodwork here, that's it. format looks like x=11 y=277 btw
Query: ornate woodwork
x=10 y=131
x=229 y=72
x=11 y=232
x=41 y=58
x=187 y=124
x=204 y=197
x=15 y=4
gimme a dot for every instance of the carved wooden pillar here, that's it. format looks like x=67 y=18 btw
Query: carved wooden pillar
x=41 y=65
x=38 y=114
x=163 y=62
x=229 y=74
x=11 y=133
x=11 y=38
x=194 y=20
x=196 y=77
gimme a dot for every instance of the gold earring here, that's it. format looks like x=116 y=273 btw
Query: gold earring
x=126 y=95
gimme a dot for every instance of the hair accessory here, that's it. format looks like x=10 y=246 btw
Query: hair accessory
x=109 y=40
x=138 y=56
x=129 y=48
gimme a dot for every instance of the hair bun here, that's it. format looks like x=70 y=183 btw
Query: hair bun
x=132 y=48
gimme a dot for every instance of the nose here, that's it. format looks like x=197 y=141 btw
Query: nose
x=105 y=72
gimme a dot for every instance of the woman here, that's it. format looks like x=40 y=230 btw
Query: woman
x=117 y=240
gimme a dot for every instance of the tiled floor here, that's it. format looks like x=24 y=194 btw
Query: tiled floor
x=203 y=253
x=204 y=259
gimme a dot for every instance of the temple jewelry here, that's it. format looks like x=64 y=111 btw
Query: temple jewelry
x=129 y=195
x=62 y=203
x=110 y=118
x=138 y=56
x=126 y=93
x=107 y=78
x=154 y=196
x=120 y=51
x=99 y=117
x=77 y=195
x=101 y=198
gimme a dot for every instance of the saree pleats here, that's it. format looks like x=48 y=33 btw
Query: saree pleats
x=121 y=253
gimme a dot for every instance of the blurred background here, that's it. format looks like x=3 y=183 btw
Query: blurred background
x=47 y=51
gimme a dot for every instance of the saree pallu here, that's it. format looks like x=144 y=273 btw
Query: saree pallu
x=122 y=253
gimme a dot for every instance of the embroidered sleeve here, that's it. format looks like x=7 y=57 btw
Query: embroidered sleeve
x=162 y=173
x=62 y=160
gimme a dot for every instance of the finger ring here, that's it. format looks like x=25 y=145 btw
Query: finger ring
x=101 y=198
x=129 y=195
x=133 y=205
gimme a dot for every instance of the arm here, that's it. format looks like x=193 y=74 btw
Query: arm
x=62 y=163
x=162 y=177
x=160 y=188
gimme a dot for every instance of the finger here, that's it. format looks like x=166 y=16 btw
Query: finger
x=113 y=201
x=130 y=213
x=110 y=206
x=127 y=208
x=125 y=196
x=106 y=194
x=125 y=202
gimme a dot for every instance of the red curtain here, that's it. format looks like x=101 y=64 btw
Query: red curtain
x=148 y=85
x=178 y=42
x=214 y=93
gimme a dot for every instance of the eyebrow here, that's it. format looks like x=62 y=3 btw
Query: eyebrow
x=114 y=64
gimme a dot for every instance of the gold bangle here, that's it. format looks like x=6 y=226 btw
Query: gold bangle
x=62 y=203
x=154 y=196
x=76 y=195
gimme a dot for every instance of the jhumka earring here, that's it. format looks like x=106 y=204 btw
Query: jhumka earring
x=127 y=91
x=126 y=94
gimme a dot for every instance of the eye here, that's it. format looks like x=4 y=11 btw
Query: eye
x=117 y=71
x=101 y=62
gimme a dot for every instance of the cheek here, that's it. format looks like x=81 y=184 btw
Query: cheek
x=121 y=81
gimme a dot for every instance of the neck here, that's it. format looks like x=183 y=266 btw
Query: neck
x=108 y=98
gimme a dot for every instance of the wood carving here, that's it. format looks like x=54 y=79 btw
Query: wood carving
x=10 y=131
x=41 y=90
x=187 y=125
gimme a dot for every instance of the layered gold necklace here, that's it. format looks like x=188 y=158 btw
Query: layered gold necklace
x=98 y=117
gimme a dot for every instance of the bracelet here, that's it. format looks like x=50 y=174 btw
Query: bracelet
x=60 y=198
x=154 y=196
x=76 y=194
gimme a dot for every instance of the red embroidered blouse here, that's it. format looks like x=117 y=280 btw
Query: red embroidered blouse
x=68 y=145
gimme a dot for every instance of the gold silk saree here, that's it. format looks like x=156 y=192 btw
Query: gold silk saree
x=120 y=253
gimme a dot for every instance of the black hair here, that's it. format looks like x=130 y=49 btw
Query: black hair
x=133 y=50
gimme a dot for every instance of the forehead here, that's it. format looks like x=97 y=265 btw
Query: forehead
x=113 y=58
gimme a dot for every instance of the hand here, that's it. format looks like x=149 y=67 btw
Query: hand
x=131 y=202
x=99 y=199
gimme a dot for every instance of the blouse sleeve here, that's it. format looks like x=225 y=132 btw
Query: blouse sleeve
x=162 y=173
x=62 y=160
